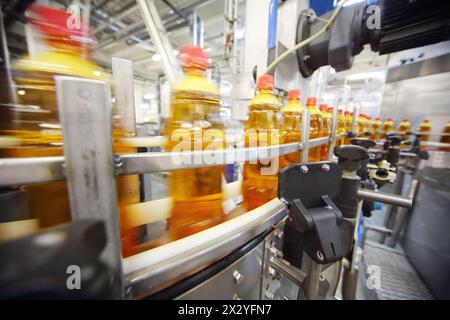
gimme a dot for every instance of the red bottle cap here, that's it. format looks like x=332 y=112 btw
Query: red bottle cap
x=339 y=111
x=193 y=56
x=265 y=82
x=405 y=120
x=323 y=107
x=426 y=120
x=56 y=23
x=377 y=118
x=311 y=101
x=330 y=109
x=389 y=119
x=346 y=113
x=294 y=94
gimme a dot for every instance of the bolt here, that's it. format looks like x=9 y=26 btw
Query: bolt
x=272 y=272
x=269 y=295
x=325 y=167
x=321 y=277
x=238 y=277
x=319 y=255
x=304 y=169
x=236 y=297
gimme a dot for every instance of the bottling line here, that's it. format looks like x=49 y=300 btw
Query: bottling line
x=307 y=241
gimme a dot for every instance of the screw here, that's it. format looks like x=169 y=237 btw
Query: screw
x=319 y=255
x=321 y=277
x=118 y=162
x=304 y=169
x=238 y=277
x=325 y=167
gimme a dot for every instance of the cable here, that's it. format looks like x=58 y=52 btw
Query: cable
x=307 y=40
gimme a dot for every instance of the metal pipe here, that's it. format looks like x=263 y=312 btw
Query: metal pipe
x=378 y=229
x=384 y=197
x=295 y=275
x=156 y=30
x=312 y=280
x=390 y=211
x=402 y=217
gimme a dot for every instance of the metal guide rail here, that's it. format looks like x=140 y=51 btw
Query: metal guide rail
x=15 y=171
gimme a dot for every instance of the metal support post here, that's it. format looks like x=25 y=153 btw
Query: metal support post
x=84 y=107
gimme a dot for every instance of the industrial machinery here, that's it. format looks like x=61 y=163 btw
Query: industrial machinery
x=304 y=244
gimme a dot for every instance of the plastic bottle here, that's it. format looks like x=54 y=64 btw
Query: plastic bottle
x=195 y=121
x=367 y=124
x=260 y=181
x=341 y=127
x=36 y=127
x=425 y=127
x=291 y=127
x=348 y=124
x=326 y=130
x=375 y=128
x=315 y=128
x=445 y=138
x=388 y=126
x=404 y=126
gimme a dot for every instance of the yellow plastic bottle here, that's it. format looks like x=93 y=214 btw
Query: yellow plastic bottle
x=36 y=127
x=315 y=128
x=348 y=124
x=388 y=126
x=425 y=127
x=326 y=130
x=292 y=122
x=404 y=126
x=195 y=125
x=341 y=127
x=367 y=124
x=260 y=181
x=375 y=128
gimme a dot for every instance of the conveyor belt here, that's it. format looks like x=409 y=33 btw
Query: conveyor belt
x=398 y=279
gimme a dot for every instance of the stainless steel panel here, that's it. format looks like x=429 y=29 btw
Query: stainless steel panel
x=240 y=280
x=85 y=112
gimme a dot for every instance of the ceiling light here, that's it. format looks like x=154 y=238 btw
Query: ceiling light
x=21 y=92
x=156 y=57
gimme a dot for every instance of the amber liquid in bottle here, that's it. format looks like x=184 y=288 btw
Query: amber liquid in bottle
x=260 y=181
x=326 y=131
x=291 y=127
x=341 y=129
x=375 y=128
x=315 y=129
x=388 y=126
x=33 y=123
x=195 y=120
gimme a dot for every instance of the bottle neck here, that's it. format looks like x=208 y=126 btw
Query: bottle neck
x=265 y=91
x=194 y=71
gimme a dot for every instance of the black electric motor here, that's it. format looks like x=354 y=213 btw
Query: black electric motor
x=387 y=25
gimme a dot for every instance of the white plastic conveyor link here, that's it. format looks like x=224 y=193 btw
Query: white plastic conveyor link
x=154 y=269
